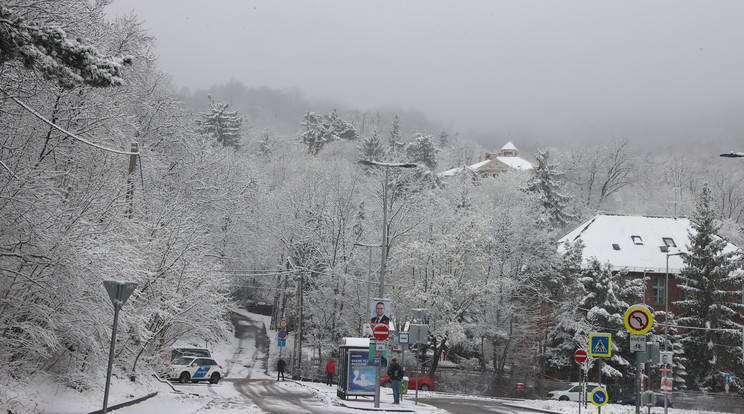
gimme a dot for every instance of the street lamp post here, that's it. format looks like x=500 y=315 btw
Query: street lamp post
x=384 y=246
x=369 y=267
x=666 y=314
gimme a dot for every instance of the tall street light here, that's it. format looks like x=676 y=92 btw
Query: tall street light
x=369 y=267
x=665 y=249
x=384 y=247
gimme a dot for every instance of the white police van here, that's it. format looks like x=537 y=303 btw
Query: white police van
x=194 y=369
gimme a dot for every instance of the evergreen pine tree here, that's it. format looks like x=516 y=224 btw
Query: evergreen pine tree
x=323 y=129
x=48 y=49
x=606 y=297
x=711 y=312
x=394 y=138
x=443 y=139
x=221 y=124
x=371 y=147
x=546 y=184
x=423 y=151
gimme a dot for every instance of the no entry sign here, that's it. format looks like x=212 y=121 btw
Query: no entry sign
x=381 y=332
x=580 y=355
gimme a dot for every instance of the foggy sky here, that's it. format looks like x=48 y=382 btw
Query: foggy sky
x=667 y=70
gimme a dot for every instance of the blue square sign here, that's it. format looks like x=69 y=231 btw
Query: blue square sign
x=403 y=338
x=600 y=345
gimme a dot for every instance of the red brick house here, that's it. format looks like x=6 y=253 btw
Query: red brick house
x=641 y=245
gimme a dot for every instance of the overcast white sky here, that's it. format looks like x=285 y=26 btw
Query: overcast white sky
x=569 y=67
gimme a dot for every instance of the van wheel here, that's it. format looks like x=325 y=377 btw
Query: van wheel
x=424 y=387
x=215 y=378
x=184 y=378
x=563 y=398
x=386 y=384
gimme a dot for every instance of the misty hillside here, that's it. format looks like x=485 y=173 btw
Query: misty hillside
x=281 y=111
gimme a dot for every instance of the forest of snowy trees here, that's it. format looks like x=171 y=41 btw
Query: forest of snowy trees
x=222 y=210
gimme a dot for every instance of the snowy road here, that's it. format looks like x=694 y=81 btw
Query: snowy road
x=250 y=359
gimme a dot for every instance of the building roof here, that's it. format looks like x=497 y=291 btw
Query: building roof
x=516 y=162
x=633 y=242
x=512 y=161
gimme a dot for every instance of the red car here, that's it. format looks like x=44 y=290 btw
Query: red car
x=426 y=383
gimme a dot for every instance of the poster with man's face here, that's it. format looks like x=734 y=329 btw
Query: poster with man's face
x=380 y=311
x=665 y=361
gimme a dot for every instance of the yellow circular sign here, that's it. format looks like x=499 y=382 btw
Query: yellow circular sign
x=638 y=319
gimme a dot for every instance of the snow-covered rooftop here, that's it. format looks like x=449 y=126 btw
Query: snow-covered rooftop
x=638 y=240
x=517 y=163
x=509 y=146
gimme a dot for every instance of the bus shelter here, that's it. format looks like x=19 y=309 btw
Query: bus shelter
x=355 y=377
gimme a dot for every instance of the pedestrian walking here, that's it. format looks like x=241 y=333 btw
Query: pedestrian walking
x=280 y=365
x=330 y=370
x=395 y=372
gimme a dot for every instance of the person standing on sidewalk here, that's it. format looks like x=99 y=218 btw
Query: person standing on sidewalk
x=395 y=372
x=280 y=365
x=330 y=370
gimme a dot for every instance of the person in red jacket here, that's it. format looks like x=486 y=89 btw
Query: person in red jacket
x=330 y=370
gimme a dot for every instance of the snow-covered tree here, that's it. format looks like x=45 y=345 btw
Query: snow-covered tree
x=423 y=151
x=220 y=124
x=607 y=295
x=394 y=138
x=548 y=187
x=48 y=49
x=321 y=130
x=371 y=148
x=711 y=311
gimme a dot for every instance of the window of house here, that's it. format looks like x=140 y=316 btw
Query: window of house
x=636 y=239
x=669 y=242
x=659 y=294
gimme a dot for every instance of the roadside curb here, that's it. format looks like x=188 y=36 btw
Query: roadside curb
x=542 y=410
x=125 y=404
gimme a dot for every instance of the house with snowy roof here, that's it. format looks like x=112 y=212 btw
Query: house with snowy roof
x=640 y=245
x=494 y=164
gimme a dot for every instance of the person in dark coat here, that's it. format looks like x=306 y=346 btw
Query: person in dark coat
x=395 y=372
x=280 y=365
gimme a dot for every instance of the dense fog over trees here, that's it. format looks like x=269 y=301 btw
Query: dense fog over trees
x=244 y=195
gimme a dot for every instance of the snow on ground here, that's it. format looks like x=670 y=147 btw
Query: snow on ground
x=224 y=398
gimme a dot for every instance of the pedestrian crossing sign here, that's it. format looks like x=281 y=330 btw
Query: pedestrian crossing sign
x=600 y=345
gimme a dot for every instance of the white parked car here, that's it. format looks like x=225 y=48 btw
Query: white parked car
x=572 y=392
x=194 y=369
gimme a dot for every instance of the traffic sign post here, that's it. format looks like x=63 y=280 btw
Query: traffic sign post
x=580 y=357
x=119 y=292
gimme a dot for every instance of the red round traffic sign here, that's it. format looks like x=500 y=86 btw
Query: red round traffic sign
x=580 y=355
x=381 y=332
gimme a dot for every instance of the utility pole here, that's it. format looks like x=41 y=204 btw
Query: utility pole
x=130 y=180
x=384 y=246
